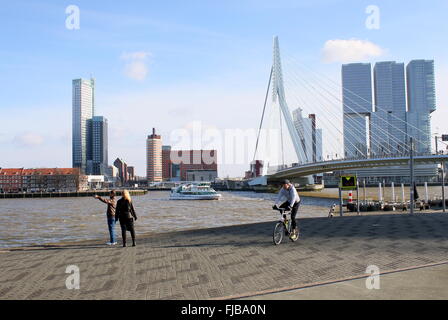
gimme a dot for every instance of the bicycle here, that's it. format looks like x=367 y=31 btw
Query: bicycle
x=283 y=227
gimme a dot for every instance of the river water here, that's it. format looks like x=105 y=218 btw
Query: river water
x=25 y=222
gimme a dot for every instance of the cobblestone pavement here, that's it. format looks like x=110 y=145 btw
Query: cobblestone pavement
x=227 y=262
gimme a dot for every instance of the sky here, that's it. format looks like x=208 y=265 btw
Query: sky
x=183 y=65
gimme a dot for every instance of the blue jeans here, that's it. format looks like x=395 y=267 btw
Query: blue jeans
x=111 y=225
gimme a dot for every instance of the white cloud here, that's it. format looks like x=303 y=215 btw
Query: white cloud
x=352 y=50
x=29 y=139
x=136 y=66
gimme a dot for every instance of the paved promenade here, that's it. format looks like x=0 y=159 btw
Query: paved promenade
x=228 y=262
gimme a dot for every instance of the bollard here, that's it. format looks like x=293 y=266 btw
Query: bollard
x=402 y=196
x=393 y=192
x=380 y=193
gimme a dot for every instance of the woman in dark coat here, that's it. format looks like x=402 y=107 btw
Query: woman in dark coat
x=126 y=214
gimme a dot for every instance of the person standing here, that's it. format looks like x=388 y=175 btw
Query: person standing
x=111 y=206
x=126 y=214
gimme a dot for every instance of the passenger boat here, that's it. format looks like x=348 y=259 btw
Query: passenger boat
x=194 y=192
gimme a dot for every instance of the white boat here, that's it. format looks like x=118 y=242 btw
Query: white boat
x=194 y=192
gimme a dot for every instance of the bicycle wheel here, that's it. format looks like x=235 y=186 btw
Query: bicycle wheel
x=279 y=231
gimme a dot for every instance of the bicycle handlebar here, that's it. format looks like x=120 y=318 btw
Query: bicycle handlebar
x=282 y=210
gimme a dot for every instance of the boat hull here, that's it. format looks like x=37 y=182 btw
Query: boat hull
x=195 y=197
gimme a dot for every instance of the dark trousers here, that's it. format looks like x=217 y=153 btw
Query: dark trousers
x=294 y=210
x=127 y=225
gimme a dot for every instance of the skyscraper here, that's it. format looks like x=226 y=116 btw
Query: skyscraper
x=312 y=136
x=122 y=167
x=154 y=157
x=388 y=121
x=99 y=145
x=167 y=172
x=357 y=107
x=82 y=110
x=421 y=102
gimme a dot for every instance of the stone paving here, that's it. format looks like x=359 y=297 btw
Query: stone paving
x=227 y=262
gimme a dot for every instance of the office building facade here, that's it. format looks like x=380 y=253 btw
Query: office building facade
x=421 y=102
x=154 y=157
x=83 y=106
x=310 y=135
x=388 y=120
x=403 y=103
x=357 y=108
x=99 y=145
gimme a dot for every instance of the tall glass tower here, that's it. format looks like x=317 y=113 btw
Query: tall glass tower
x=421 y=102
x=82 y=111
x=357 y=107
x=388 y=121
x=99 y=145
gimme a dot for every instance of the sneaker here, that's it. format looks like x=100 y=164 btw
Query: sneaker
x=109 y=243
x=115 y=243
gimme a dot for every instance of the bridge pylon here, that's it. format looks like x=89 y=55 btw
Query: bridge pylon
x=278 y=93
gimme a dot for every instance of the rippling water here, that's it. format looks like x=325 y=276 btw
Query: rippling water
x=51 y=220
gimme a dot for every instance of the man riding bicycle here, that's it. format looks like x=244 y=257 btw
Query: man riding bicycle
x=292 y=203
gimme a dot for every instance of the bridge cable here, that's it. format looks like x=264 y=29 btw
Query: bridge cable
x=392 y=115
x=391 y=137
x=331 y=121
x=264 y=109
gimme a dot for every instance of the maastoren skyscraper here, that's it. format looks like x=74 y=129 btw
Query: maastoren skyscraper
x=89 y=133
x=83 y=93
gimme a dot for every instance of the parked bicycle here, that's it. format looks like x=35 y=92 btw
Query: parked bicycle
x=284 y=228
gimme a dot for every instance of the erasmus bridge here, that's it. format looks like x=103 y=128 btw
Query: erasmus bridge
x=396 y=152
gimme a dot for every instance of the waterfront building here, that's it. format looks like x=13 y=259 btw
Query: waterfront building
x=122 y=167
x=99 y=145
x=83 y=106
x=131 y=173
x=357 y=108
x=154 y=157
x=421 y=102
x=167 y=166
x=42 y=180
x=256 y=169
x=310 y=135
x=388 y=121
x=396 y=117
x=201 y=175
x=183 y=165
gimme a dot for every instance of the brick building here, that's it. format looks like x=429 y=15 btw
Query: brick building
x=41 y=180
x=187 y=165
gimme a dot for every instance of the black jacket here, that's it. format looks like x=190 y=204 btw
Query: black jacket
x=125 y=210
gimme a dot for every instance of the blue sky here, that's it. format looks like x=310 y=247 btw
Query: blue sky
x=167 y=64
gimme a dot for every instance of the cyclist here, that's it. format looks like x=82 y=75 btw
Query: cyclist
x=292 y=203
